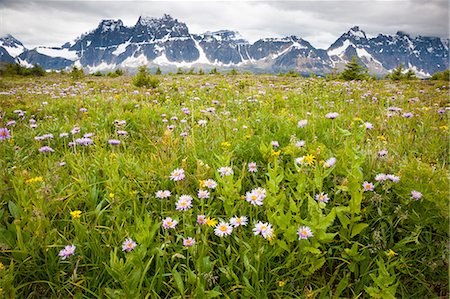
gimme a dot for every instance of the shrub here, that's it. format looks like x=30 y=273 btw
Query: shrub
x=143 y=78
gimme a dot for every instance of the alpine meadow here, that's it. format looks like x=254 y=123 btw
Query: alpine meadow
x=223 y=185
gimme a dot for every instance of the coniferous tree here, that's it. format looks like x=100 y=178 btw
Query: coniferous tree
x=354 y=71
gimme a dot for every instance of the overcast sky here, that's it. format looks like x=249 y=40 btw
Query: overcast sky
x=321 y=22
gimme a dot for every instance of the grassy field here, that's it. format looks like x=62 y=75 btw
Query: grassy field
x=223 y=186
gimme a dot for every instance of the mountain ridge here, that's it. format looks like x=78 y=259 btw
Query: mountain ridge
x=167 y=43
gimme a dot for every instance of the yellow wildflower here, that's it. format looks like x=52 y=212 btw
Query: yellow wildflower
x=443 y=128
x=357 y=119
x=211 y=222
x=225 y=144
x=391 y=253
x=75 y=214
x=310 y=159
x=381 y=137
x=276 y=153
x=2 y=266
x=111 y=195
x=202 y=183
x=281 y=283
x=34 y=180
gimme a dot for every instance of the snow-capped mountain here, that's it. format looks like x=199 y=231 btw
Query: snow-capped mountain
x=167 y=42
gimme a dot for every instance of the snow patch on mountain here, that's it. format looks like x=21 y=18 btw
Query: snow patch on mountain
x=58 y=52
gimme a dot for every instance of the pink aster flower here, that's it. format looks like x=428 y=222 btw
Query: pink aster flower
x=322 y=197
x=416 y=195
x=239 y=221
x=177 y=175
x=225 y=171
x=302 y=123
x=184 y=203
x=367 y=186
x=4 y=134
x=67 y=251
x=203 y=194
x=330 y=162
x=163 y=194
x=46 y=149
x=223 y=229
x=188 y=242
x=169 y=223
x=263 y=228
x=210 y=184
x=201 y=219
x=252 y=167
x=128 y=245
x=304 y=232
x=381 y=177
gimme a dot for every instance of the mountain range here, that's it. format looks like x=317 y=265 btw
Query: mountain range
x=167 y=43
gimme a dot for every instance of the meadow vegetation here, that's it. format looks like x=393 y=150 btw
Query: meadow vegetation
x=221 y=186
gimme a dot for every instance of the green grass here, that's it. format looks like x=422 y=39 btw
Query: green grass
x=380 y=243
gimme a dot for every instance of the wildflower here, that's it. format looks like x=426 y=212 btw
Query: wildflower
x=169 y=223
x=382 y=153
x=188 y=242
x=184 y=203
x=416 y=195
x=82 y=110
x=63 y=135
x=368 y=126
x=75 y=130
x=11 y=123
x=75 y=214
x=304 y=232
x=276 y=153
x=67 y=251
x=114 y=142
x=4 y=134
x=239 y=221
x=330 y=162
x=300 y=143
x=225 y=171
x=309 y=159
x=252 y=167
x=391 y=253
x=302 y=123
x=300 y=160
x=46 y=149
x=128 y=245
x=332 y=115
x=367 y=186
x=202 y=122
x=37 y=179
x=122 y=133
x=84 y=141
x=201 y=219
x=275 y=143
x=381 y=177
x=211 y=222
x=265 y=229
x=408 y=115
x=223 y=229
x=210 y=184
x=281 y=283
x=203 y=194
x=163 y=194
x=225 y=144
x=177 y=175
x=393 y=178
x=254 y=198
x=322 y=197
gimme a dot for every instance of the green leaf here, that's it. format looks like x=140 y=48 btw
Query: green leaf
x=178 y=281
x=357 y=228
x=13 y=209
